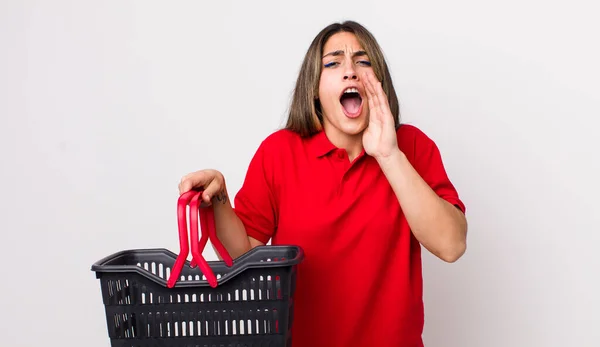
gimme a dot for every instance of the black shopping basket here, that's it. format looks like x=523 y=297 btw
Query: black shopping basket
x=153 y=297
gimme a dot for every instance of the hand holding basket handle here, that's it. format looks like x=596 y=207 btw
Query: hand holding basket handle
x=206 y=218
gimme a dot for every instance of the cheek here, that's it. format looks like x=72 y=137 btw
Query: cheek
x=328 y=94
x=327 y=89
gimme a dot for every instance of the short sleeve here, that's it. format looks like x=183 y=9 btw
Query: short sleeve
x=429 y=164
x=255 y=203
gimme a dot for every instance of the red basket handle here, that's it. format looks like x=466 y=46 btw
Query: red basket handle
x=207 y=218
x=194 y=198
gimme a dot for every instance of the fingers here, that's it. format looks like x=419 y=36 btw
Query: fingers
x=210 y=181
x=214 y=188
x=368 y=84
x=378 y=100
x=377 y=89
x=196 y=180
x=372 y=97
x=371 y=89
x=372 y=106
x=191 y=181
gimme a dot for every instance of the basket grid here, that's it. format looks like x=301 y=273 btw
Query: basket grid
x=252 y=305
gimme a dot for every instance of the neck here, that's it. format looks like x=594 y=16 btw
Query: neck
x=351 y=143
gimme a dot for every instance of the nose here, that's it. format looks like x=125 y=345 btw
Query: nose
x=350 y=73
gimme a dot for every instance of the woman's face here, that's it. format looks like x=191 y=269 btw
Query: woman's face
x=341 y=92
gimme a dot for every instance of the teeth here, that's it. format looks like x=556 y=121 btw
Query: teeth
x=351 y=90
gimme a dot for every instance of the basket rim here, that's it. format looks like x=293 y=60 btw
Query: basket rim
x=240 y=264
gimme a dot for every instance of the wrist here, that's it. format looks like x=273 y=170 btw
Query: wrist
x=220 y=198
x=393 y=158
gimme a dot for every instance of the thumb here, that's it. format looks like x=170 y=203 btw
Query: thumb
x=213 y=189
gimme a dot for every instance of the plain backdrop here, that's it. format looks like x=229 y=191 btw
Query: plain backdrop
x=105 y=105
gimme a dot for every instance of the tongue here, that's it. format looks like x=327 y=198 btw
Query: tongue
x=351 y=105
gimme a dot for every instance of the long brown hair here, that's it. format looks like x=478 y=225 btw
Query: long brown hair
x=305 y=116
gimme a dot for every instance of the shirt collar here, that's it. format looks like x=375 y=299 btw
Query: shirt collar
x=320 y=145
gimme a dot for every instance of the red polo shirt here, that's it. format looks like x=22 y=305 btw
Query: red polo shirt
x=360 y=283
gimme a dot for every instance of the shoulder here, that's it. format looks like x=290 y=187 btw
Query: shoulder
x=412 y=132
x=281 y=137
x=279 y=141
x=277 y=145
x=413 y=140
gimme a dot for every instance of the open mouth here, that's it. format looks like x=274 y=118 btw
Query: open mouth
x=351 y=102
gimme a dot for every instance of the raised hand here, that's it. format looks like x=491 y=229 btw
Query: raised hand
x=379 y=139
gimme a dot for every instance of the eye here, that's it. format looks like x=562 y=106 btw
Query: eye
x=333 y=63
x=364 y=63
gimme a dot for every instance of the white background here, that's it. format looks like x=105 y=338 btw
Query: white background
x=104 y=106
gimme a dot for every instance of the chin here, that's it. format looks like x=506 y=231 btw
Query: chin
x=354 y=131
x=355 y=127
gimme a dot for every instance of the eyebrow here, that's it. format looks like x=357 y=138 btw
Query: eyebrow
x=340 y=52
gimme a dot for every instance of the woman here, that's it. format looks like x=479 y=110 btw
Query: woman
x=357 y=191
